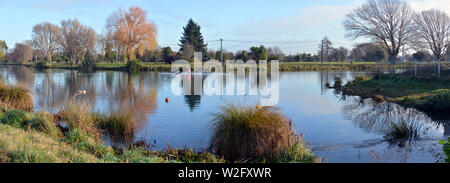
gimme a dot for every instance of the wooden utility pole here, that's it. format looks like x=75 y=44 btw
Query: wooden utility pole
x=221 y=50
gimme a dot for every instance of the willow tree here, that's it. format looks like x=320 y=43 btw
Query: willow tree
x=44 y=38
x=3 y=50
x=133 y=30
x=388 y=23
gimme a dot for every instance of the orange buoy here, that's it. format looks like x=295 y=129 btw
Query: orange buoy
x=167 y=100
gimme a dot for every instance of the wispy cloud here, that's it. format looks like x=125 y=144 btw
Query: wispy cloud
x=420 y=5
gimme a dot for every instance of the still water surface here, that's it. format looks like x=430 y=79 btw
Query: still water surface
x=339 y=129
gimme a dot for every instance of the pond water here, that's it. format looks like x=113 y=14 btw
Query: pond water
x=339 y=129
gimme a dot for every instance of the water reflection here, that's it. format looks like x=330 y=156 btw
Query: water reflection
x=377 y=117
x=339 y=129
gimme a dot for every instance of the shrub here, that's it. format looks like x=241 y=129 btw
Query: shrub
x=16 y=97
x=15 y=118
x=43 y=122
x=446 y=148
x=41 y=64
x=379 y=99
x=88 y=65
x=134 y=65
x=337 y=82
x=247 y=133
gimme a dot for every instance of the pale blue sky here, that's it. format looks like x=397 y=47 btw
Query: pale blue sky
x=279 y=22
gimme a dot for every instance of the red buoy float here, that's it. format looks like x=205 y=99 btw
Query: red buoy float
x=167 y=100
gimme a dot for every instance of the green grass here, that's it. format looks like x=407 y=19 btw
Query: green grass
x=446 y=148
x=428 y=95
x=35 y=139
x=23 y=146
x=246 y=133
x=16 y=118
x=43 y=122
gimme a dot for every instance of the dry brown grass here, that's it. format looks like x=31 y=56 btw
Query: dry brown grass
x=245 y=133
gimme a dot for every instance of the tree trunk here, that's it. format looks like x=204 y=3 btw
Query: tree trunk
x=49 y=58
x=392 y=60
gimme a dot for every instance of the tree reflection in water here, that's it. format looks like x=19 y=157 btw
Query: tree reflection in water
x=378 y=118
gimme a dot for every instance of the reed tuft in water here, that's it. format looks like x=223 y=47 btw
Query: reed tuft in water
x=246 y=133
x=118 y=124
x=403 y=130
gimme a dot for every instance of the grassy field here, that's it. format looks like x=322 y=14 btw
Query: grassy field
x=426 y=94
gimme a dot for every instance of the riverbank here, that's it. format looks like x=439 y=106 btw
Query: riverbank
x=284 y=66
x=429 y=95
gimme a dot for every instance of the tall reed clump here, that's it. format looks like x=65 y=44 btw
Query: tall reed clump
x=119 y=124
x=78 y=115
x=16 y=97
x=246 y=133
x=403 y=130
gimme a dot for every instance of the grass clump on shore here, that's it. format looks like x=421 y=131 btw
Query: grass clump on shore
x=16 y=97
x=16 y=118
x=78 y=115
x=43 y=122
x=246 y=133
x=118 y=124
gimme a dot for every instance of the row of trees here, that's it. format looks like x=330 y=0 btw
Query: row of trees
x=390 y=25
x=128 y=33
x=393 y=26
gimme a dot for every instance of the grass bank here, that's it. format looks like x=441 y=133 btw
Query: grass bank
x=284 y=66
x=36 y=138
x=426 y=94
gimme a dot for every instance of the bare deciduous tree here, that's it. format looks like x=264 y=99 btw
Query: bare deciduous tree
x=22 y=53
x=433 y=29
x=132 y=29
x=44 y=39
x=386 y=22
x=76 y=39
